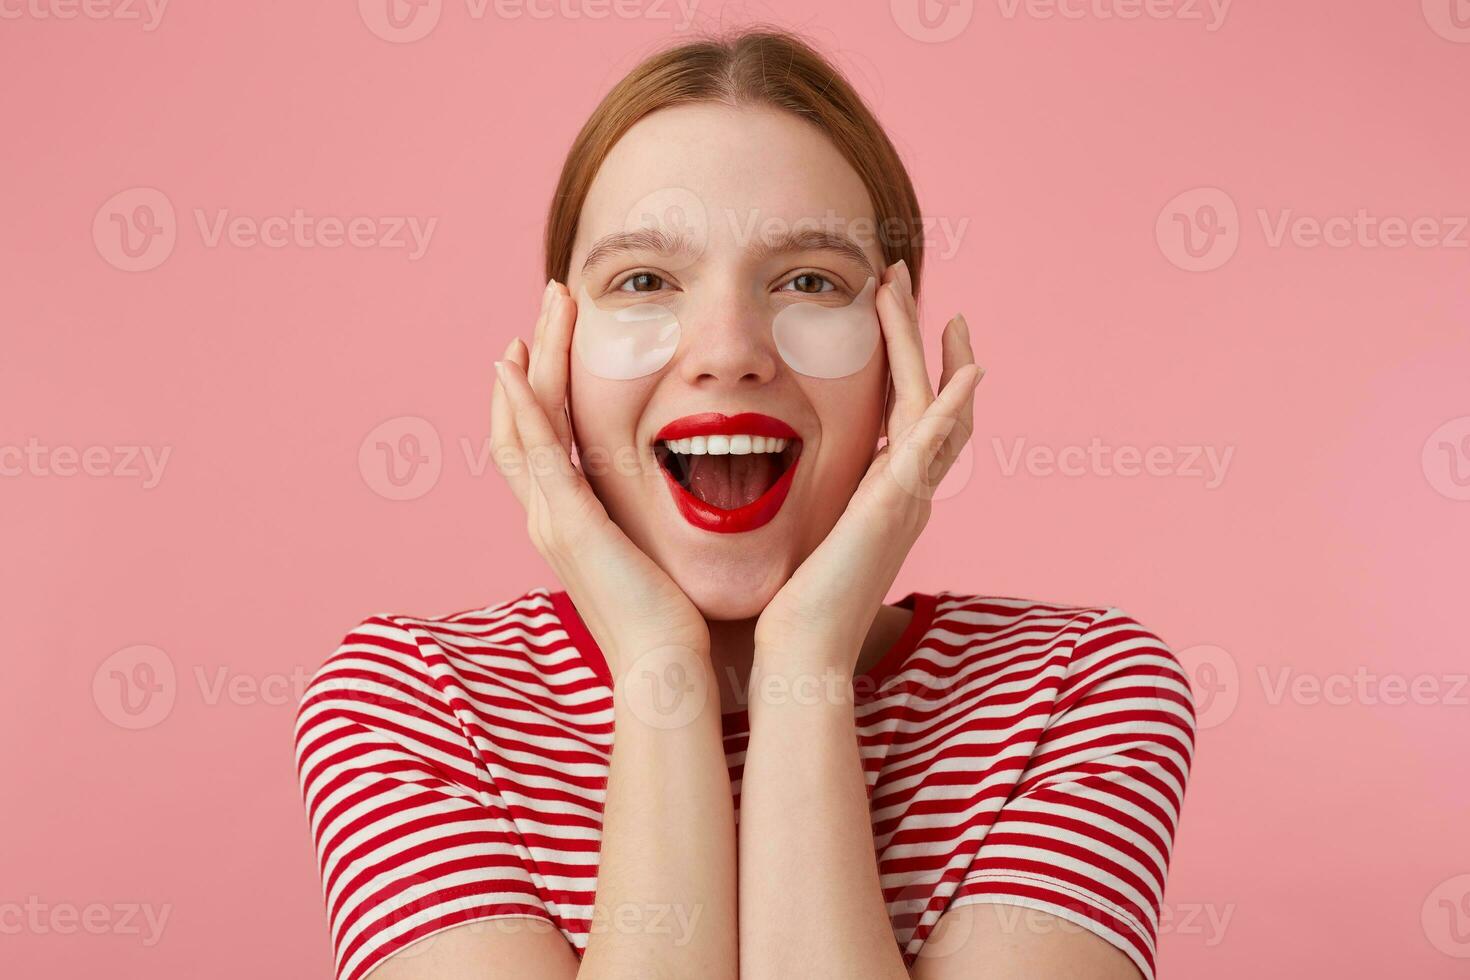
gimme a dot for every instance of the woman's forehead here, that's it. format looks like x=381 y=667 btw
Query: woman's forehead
x=730 y=178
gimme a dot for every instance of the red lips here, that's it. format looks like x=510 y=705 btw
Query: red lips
x=715 y=424
x=754 y=514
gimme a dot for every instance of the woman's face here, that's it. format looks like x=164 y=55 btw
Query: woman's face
x=721 y=218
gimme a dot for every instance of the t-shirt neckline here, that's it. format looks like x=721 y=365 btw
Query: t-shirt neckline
x=922 y=604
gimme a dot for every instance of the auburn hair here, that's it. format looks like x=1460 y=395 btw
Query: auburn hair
x=755 y=67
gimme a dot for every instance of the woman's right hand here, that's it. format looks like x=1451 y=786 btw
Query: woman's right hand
x=630 y=605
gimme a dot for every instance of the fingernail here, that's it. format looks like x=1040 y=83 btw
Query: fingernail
x=979 y=375
x=500 y=368
x=964 y=324
x=549 y=283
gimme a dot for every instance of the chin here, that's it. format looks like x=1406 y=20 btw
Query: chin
x=730 y=589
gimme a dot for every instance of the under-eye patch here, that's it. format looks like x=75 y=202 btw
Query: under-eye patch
x=624 y=343
x=829 y=341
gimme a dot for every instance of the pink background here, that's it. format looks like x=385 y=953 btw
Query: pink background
x=1322 y=836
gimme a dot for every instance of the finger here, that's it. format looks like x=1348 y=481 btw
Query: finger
x=957 y=352
x=906 y=278
x=505 y=441
x=550 y=366
x=956 y=348
x=953 y=420
x=541 y=319
x=911 y=387
x=549 y=465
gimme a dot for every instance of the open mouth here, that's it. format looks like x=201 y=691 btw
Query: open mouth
x=728 y=473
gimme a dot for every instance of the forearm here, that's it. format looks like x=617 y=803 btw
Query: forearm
x=810 y=900
x=665 y=905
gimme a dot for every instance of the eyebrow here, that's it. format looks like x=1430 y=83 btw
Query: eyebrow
x=813 y=241
x=657 y=240
x=643 y=240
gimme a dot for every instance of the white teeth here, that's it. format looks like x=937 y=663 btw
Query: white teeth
x=736 y=445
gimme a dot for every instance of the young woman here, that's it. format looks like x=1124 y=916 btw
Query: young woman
x=546 y=788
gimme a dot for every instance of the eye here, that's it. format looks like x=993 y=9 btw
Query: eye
x=642 y=282
x=810 y=282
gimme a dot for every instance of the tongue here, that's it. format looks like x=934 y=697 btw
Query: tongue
x=731 y=481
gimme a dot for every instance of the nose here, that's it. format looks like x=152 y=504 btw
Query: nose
x=727 y=340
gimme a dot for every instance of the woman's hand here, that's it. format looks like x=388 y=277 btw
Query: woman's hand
x=823 y=612
x=629 y=603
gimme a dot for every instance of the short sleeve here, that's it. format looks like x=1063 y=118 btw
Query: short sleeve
x=411 y=834
x=1087 y=833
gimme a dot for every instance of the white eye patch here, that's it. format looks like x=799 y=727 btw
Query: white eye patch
x=829 y=341
x=815 y=340
x=625 y=343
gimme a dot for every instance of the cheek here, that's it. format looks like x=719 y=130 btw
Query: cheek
x=605 y=418
x=850 y=412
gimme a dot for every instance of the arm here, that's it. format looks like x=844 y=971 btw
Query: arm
x=810 y=901
x=668 y=850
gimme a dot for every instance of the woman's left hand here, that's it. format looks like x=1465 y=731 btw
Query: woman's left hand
x=820 y=617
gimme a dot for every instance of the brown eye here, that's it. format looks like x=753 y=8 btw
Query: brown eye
x=643 y=282
x=809 y=282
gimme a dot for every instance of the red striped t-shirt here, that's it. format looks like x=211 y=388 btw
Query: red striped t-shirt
x=1016 y=752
